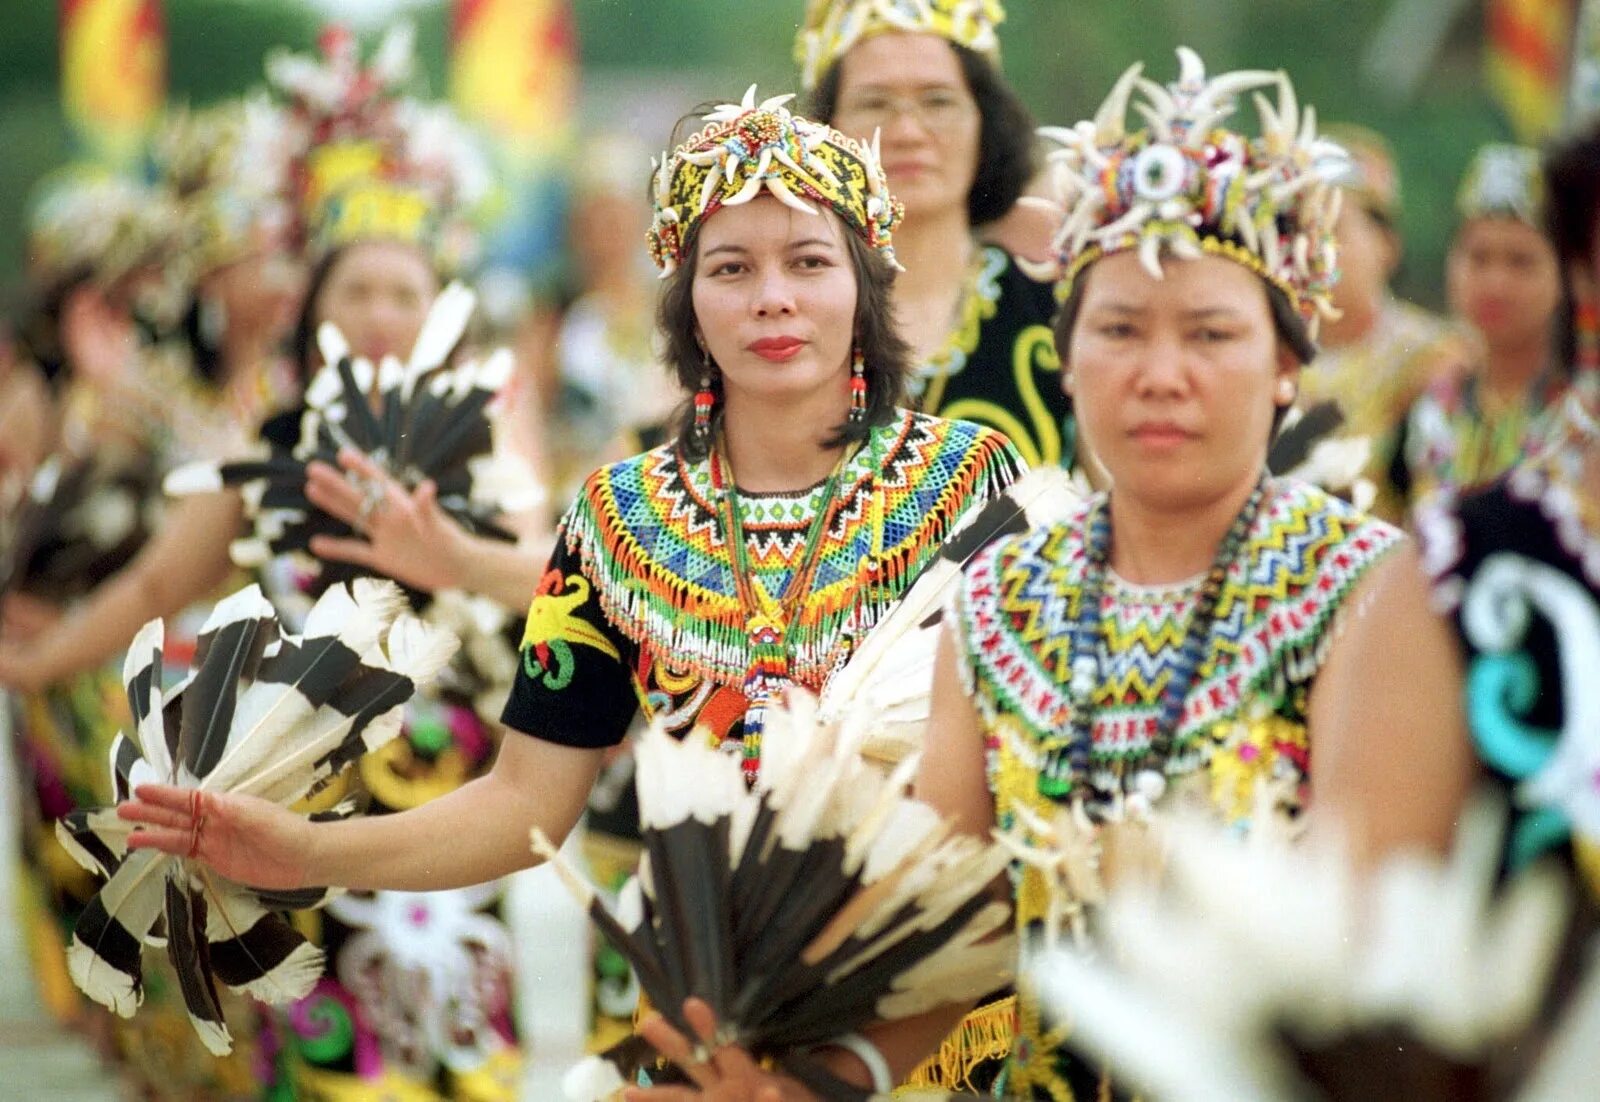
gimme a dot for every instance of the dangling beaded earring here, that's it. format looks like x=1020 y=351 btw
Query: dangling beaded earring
x=858 y=388
x=704 y=399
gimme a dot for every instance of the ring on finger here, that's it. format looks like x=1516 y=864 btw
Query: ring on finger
x=371 y=504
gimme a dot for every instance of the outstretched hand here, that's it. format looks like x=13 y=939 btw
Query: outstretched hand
x=720 y=1072
x=408 y=536
x=246 y=839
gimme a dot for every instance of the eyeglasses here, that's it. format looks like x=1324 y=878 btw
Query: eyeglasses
x=935 y=109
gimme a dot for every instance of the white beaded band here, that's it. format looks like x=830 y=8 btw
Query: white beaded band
x=868 y=1054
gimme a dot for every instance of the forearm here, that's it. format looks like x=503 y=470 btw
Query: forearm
x=187 y=559
x=504 y=572
x=905 y=1044
x=479 y=832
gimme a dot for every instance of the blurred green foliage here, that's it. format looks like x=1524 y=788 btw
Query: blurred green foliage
x=1061 y=54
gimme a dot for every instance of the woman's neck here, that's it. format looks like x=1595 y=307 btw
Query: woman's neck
x=935 y=250
x=777 y=447
x=1510 y=370
x=1355 y=323
x=1156 y=544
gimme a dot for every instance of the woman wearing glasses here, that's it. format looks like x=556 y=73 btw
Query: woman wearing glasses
x=957 y=146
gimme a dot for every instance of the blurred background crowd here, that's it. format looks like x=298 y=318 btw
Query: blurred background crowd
x=148 y=319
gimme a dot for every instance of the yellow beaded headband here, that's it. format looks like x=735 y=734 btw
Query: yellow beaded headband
x=1190 y=187
x=747 y=149
x=1504 y=181
x=833 y=26
x=364 y=160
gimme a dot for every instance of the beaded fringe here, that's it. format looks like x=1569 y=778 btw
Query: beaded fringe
x=983 y=1036
x=706 y=634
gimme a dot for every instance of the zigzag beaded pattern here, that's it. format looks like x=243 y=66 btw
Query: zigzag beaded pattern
x=1305 y=552
x=649 y=535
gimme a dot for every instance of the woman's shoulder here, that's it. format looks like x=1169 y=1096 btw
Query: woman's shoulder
x=1055 y=549
x=1305 y=537
x=956 y=435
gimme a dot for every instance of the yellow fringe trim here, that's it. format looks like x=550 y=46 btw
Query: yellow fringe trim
x=983 y=1035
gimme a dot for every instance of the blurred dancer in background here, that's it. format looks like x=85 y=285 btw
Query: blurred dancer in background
x=958 y=147
x=1381 y=352
x=1505 y=287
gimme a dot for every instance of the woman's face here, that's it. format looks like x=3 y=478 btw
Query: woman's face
x=378 y=293
x=774 y=299
x=1367 y=257
x=1503 y=278
x=1176 y=381
x=911 y=89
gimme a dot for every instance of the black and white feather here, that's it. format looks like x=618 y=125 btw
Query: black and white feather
x=885 y=689
x=821 y=901
x=262 y=713
x=79 y=521
x=419 y=420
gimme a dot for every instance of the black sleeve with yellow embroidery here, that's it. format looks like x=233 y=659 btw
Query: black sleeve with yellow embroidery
x=574 y=683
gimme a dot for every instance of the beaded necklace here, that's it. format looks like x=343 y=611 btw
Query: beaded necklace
x=1067 y=765
x=767 y=618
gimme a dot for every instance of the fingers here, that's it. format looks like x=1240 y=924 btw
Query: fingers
x=675 y=1047
x=169 y=796
x=661 y=1094
x=148 y=814
x=179 y=843
x=361 y=465
x=332 y=548
x=426 y=496
x=330 y=491
x=730 y=1060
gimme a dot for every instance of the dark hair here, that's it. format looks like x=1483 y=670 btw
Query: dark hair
x=1572 y=185
x=886 y=355
x=1287 y=323
x=303 y=340
x=1006 y=150
x=1572 y=190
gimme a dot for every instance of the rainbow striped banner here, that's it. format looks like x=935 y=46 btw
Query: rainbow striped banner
x=514 y=75
x=113 y=74
x=514 y=71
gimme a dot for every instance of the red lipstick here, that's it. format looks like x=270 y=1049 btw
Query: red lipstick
x=776 y=349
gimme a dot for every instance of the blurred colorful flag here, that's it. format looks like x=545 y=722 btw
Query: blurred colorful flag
x=514 y=71
x=1583 y=92
x=1526 y=62
x=514 y=75
x=113 y=74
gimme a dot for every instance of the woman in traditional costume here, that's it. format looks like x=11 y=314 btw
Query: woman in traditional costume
x=1203 y=633
x=1516 y=567
x=417 y=997
x=698 y=580
x=958 y=147
x=112 y=262
x=1505 y=284
x=1378 y=355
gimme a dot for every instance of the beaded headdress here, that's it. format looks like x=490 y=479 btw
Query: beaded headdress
x=361 y=159
x=1504 y=181
x=1190 y=187
x=749 y=148
x=832 y=27
x=87 y=222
